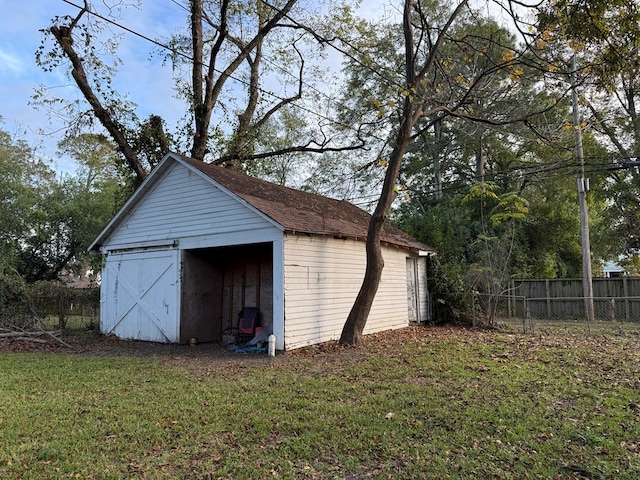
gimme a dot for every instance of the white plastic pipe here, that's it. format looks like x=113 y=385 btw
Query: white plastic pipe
x=272 y=346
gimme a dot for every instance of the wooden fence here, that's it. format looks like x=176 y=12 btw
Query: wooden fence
x=613 y=298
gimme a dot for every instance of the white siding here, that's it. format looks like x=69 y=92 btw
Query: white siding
x=185 y=206
x=322 y=278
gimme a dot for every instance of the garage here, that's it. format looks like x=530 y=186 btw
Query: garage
x=217 y=283
x=196 y=244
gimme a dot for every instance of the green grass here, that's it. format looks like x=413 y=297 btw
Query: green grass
x=425 y=403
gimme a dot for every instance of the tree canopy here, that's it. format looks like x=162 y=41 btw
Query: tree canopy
x=453 y=123
x=222 y=64
x=46 y=221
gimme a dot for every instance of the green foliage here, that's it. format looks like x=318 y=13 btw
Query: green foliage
x=55 y=300
x=550 y=239
x=277 y=135
x=472 y=254
x=606 y=33
x=447 y=227
x=482 y=191
x=24 y=305
x=511 y=206
x=47 y=222
x=235 y=72
x=481 y=65
x=448 y=290
x=605 y=38
x=14 y=301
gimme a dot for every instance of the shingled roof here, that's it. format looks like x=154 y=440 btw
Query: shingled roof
x=303 y=212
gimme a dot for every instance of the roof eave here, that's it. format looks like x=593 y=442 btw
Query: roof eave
x=422 y=251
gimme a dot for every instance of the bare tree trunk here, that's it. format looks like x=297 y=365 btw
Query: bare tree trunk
x=201 y=124
x=218 y=50
x=205 y=94
x=204 y=97
x=437 y=158
x=413 y=110
x=243 y=140
x=630 y=94
x=357 y=319
x=62 y=34
x=481 y=161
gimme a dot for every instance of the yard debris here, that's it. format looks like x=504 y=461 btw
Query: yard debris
x=11 y=333
x=248 y=349
x=24 y=334
x=581 y=472
x=31 y=339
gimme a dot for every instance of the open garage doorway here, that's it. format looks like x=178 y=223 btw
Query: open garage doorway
x=217 y=283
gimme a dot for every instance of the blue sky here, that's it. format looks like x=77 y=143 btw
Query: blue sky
x=144 y=82
x=20 y=23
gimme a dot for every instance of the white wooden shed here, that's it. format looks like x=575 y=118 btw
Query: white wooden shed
x=196 y=243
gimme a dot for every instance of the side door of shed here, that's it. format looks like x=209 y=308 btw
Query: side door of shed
x=140 y=295
x=417 y=294
x=413 y=302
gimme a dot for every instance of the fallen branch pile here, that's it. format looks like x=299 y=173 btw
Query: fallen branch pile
x=32 y=335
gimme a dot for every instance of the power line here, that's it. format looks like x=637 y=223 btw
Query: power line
x=177 y=52
x=275 y=65
x=191 y=59
x=551 y=170
x=390 y=83
x=554 y=170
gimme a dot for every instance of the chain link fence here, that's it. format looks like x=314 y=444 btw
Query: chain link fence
x=517 y=310
x=493 y=310
x=52 y=305
x=612 y=309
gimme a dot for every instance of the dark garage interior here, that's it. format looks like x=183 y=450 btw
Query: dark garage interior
x=217 y=283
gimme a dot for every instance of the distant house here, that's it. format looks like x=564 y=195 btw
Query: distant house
x=612 y=270
x=197 y=243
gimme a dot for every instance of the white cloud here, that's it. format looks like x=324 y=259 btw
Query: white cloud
x=10 y=64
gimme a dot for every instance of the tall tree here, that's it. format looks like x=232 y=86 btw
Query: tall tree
x=432 y=88
x=605 y=37
x=47 y=222
x=19 y=169
x=231 y=50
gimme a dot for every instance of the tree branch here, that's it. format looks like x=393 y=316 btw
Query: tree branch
x=288 y=150
x=204 y=109
x=63 y=35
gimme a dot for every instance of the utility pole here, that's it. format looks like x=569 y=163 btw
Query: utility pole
x=583 y=186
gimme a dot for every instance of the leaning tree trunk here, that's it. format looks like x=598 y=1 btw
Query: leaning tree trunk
x=436 y=157
x=357 y=319
x=413 y=110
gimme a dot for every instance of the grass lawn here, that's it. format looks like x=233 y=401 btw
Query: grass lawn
x=419 y=403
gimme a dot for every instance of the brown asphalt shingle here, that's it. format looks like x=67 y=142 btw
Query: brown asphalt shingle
x=302 y=212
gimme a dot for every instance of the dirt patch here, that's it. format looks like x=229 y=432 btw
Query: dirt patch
x=29 y=344
x=92 y=343
x=209 y=356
